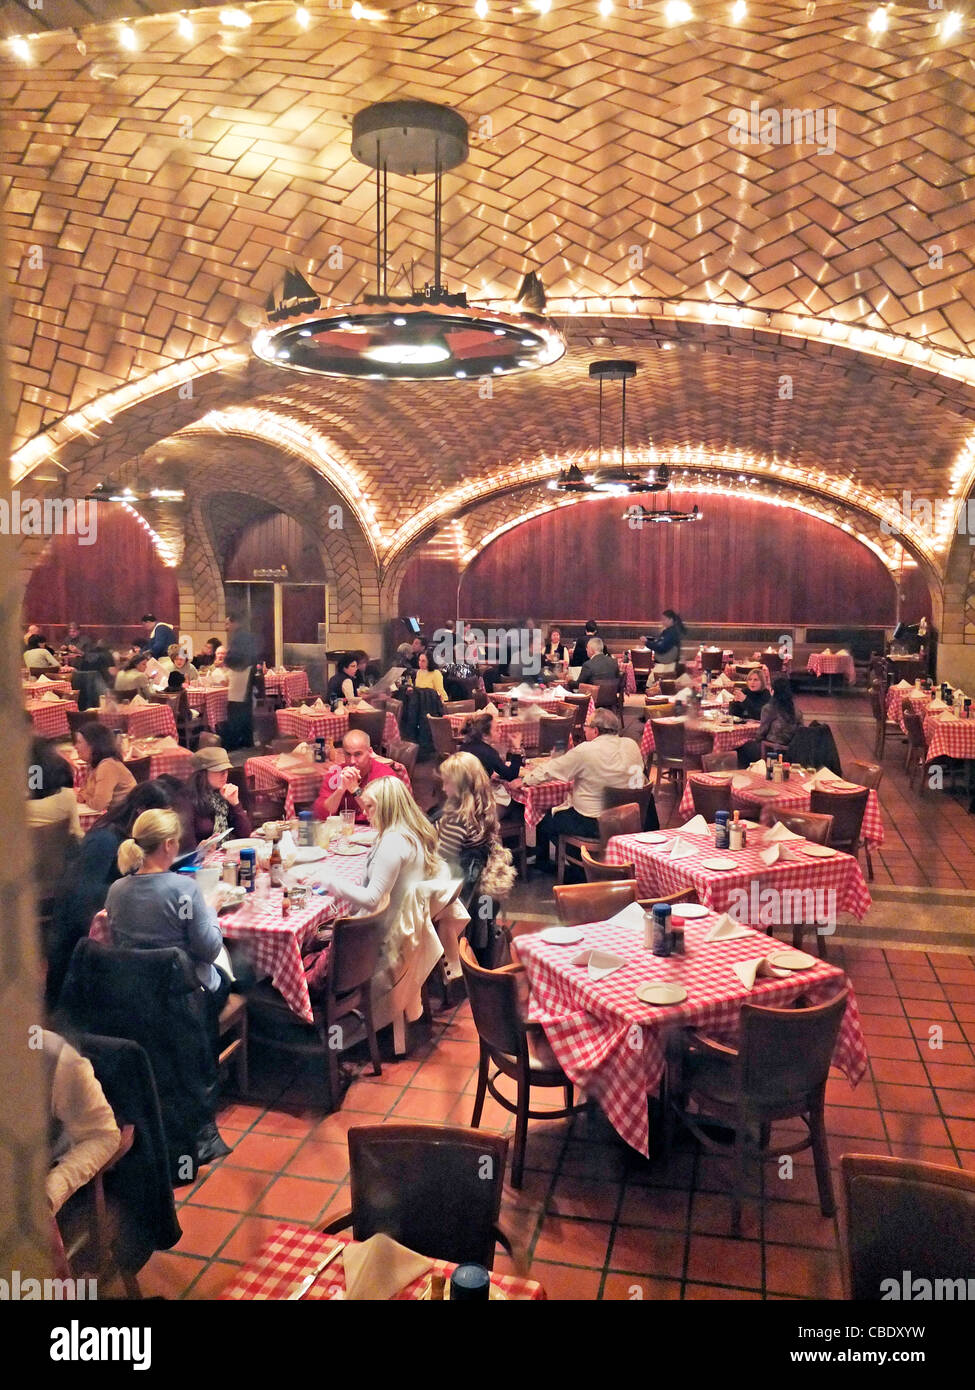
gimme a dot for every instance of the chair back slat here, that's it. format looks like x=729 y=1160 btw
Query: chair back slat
x=494 y=1004
x=812 y=827
x=847 y=810
x=709 y=797
x=592 y=902
x=356 y=943
x=619 y=820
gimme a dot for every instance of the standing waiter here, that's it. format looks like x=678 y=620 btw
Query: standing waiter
x=159 y=636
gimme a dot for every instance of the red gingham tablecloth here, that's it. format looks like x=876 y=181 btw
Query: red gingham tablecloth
x=789 y=796
x=832 y=665
x=551 y=704
x=291 y=685
x=896 y=698
x=719 y=740
x=51 y=720
x=612 y=1045
x=210 y=700
x=170 y=758
x=302 y=781
x=32 y=690
x=274 y=943
x=144 y=721
x=656 y=872
x=502 y=729
x=542 y=797
x=293 y=723
x=292 y=1252
x=629 y=678
x=949 y=737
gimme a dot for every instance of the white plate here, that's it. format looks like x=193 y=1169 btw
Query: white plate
x=689 y=910
x=309 y=854
x=364 y=837
x=722 y=777
x=650 y=838
x=661 y=994
x=561 y=936
x=791 y=960
x=766 y=790
x=243 y=844
x=719 y=864
x=343 y=847
x=817 y=851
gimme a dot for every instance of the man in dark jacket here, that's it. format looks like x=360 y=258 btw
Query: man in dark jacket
x=599 y=666
x=579 y=650
x=159 y=636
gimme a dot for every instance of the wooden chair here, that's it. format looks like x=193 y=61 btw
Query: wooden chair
x=579 y=903
x=580 y=705
x=638 y=799
x=902 y=1214
x=816 y=828
x=282 y=745
x=658 y=708
x=444 y=742
x=232 y=1031
x=773 y=662
x=89 y=1228
x=591 y=691
x=141 y=769
x=847 y=810
x=517 y=1049
x=459 y=707
x=712 y=661
x=670 y=756
x=608 y=694
x=502 y=686
x=668 y=685
x=598 y=871
x=513 y=838
x=719 y=762
x=395 y=708
x=429 y=1188
x=708 y=799
x=78 y=718
x=406 y=754
x=264 y=806
x=553 y=729
x=353 y=958
x=884 y=728
x=916 y=756
x=777 y=1072
x=371 y=722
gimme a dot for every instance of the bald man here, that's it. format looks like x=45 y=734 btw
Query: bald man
x=343 y=780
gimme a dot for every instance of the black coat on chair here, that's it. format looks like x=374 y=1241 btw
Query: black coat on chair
x=153 y=998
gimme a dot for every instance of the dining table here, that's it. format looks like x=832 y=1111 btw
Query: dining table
x=753 y=795
x=836 y=879
x=33 y=690
x=210 y=701
x=628 y=674
x=614 y=1046
x=949 y=735
x=832 y=664
x=50 y=717
x=896 y=699
x=300 y=775
x=291 y=1253
x=309 y=724
x=709 y=735
x=543 y=700
x=139 y=721
x=287 y=685
x=503 y=730
x=165 y=756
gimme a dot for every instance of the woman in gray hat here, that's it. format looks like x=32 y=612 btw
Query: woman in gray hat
x=216 y=802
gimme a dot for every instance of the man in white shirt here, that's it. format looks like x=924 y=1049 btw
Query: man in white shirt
x=608 y=760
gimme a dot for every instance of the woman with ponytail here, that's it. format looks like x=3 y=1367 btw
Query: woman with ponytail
x=150 y=907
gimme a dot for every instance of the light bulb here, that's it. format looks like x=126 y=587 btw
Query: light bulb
x=22 y=48
x=185 y=26
x=950 y=24
x=481 y=9
x=738 y=10
x=127 y=37
x=877 y=23
x=235 y=19
x=678 y=12
x=605 y=8
x=302 y=16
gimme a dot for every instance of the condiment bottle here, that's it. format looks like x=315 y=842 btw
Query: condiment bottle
x=231 y=870
x=736 y=834
x=470 y=1284
x=661 y=929
x=274 y=865
x=248 y=869
x=677 y=938
x=721 y=838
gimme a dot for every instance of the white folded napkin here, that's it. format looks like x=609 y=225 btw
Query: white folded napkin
x=166 y=741
x=822 y=777
x=748 y=971
x=532 y=710
x=363 y=705
x=725 y=929
x=774 y=854
x=138 y=701
x=306 y=709
x=522 y=691
x=827 y=652
x=43 y=680
x=780 y=832
x=903 y=685
x=757 y=766
x=685 y=682
x=697 y=825
x=722 y=682
x=629 y=916
x=680 y=849
x=600 y=963
x=49 y=698
x=377 y=1269
x=319 y=704
x=842 y=652
x=301 y=749
x=490 y=708
x=558 y=692
x=936 y=706
x=681 y=697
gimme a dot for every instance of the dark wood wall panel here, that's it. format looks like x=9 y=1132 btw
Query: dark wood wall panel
x=109 y=584
x=271 y=542
x=746 y=562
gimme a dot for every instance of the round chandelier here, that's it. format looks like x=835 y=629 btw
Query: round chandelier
x=427 y=335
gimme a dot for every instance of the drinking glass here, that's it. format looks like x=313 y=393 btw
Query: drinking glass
x=348 y=823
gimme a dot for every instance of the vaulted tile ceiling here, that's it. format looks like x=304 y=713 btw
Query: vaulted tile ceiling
x=791 y=307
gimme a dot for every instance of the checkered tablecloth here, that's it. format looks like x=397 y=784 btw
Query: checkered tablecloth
x=210 y=700
x=629 y=678
x=502 y=729
x=551 y=704
x=51 y=719
x=949 y=737
x=301 y=781
x=144 y=721
x=293 y=723
x=821 y=665
x=170 y=758
x=32 y=690
x=613 y=1046
x=290 y=685
x=720 y=739
x=656 y=872
x=541 y=797
x=273 y=943
x=788 y=796
x=292 y=1252
x=896 y=698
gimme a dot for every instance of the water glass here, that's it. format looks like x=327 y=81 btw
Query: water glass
x=348 y=823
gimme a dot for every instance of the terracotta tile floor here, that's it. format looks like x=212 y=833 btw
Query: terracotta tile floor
x=597 y=1219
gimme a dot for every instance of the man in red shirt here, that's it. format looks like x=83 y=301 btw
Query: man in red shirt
x=342 y=780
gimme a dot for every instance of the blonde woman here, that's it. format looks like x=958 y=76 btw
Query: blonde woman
x=150 y=907
x=469 y=835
